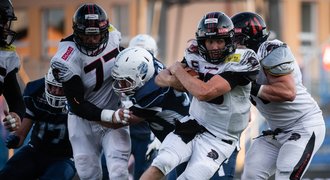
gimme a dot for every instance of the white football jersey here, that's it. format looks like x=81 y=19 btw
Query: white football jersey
x=95 y=72
x=9 y=61
x=227 y=115
x=286 y=114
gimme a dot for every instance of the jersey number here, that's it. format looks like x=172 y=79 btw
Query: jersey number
x=98 y=66
x=58 y=129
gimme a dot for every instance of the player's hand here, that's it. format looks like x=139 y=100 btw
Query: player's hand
x=192 y=46
x=12 y=121
x=152 y=147
x=121 y=116
x=12 y=141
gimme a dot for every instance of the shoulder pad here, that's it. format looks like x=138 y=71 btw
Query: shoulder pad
x=8 y=48
x=279 y=61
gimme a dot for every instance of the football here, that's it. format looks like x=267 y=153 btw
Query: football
x=193 y=73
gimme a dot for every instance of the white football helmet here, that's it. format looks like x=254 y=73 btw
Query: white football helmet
x=145 y=41
x=133 y=67
x=54 y=92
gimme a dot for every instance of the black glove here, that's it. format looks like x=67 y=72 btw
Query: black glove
x=12 y=141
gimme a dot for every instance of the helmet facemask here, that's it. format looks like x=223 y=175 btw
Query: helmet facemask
x=54 y=91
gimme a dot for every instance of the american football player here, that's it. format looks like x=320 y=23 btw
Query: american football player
x=220 y=106
x=83 y=63
x=296 y=125
x=9 y=66
x=48 y=154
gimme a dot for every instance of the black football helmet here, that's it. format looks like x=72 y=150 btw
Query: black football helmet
x=90 y=21
x=215 y=25
x=7 y=36
x=250 y=29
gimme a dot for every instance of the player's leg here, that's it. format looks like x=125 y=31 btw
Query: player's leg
x=260 y=159
x=172 y=152
x=116 y=145
x=86 y=148
x=208 y=154
x=139 y=149
x=227 y=171
x=21 y=166
x=59 y=168
x=297 y=152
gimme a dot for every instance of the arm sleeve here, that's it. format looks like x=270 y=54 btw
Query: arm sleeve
x=13 y=95
x=74 y=91
x=238 y=78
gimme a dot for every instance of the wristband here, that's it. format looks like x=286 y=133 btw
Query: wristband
x=106 y=115
x=255 y=89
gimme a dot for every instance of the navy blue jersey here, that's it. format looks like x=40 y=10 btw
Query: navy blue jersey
x=159 y=106
x=50 y=132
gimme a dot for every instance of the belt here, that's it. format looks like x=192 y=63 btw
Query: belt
x=230 y=142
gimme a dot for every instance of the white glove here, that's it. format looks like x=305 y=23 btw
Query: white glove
x=126 y=104
x=106 y=116
x=119 y=120
x=11 y=120
x=153 y=146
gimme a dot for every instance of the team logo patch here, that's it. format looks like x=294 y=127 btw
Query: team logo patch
x=67 y=53
x=213 y=154
x=233 y=58
x=294 y=137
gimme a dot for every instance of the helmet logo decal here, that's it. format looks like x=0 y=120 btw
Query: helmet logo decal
x=92 y=16
x=256 y=26
x=143 y=68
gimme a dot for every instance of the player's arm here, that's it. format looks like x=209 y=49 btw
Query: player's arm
x=203 y=91
x=165 y=79
x=280 y=88
x=13 y=96
x=278 y=67
x=74 y=92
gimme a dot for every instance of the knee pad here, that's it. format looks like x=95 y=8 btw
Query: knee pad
x=165 y=161
x=88 y=167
